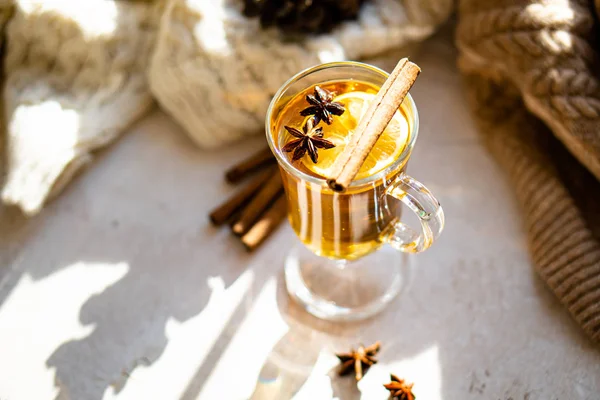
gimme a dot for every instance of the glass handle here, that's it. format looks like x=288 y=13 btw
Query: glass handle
x=422 y=202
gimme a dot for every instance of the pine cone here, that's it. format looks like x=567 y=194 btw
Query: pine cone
x=302 y=16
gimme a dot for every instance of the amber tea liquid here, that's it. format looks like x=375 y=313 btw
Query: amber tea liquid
x=342 y=225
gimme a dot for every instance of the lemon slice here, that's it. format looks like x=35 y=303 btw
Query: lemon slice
x=387 y=149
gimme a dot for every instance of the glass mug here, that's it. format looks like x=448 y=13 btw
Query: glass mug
x=343 y=271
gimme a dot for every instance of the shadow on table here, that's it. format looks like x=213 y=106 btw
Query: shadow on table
x=126 y=317
x=157 y=276
x=165 y=281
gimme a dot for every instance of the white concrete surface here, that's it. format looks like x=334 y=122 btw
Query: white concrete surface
x=122 y=290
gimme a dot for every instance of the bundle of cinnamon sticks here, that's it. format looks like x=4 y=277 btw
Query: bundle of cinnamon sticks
x=257 y=208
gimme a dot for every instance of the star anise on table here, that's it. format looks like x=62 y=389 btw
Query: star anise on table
x=358 y=361
x=322 y=106
x=399 y=389
x=309 y=140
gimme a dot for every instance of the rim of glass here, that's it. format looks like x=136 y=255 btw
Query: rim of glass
x=323 y=182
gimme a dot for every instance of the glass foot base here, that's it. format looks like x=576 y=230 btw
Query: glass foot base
x=340 y=290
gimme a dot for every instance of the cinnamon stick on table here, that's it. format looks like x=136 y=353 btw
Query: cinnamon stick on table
x=371 y=126
x=265 y=196
x=249 y=165
x=266 y=224
x=225 y=211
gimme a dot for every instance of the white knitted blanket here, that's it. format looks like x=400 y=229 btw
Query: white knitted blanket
x=75 y=78
x=79 y=72
x=215 y=71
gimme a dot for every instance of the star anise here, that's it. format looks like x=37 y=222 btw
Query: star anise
x=322 y=106
x=399 y=389
x=359 y=360
x=309 y=140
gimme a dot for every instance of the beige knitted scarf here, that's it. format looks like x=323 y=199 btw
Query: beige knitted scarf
x=532 y=69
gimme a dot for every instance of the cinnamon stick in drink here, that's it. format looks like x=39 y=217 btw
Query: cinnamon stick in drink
x=245 y=167
x=266 y=224
x=225 y=211
x=263 y=198
x=376 y=119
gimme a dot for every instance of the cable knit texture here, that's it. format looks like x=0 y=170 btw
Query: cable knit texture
x=215 y=71
x=75 y=79
x=6 y=11
x=540 y=55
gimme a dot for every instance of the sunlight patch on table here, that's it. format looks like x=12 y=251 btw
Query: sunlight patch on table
x=318 y=384
x=423 y=370
x=243 y=359
x=189 y=343
x=39 y=316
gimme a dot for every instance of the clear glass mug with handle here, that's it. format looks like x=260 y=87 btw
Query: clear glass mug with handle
x=343 y=270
